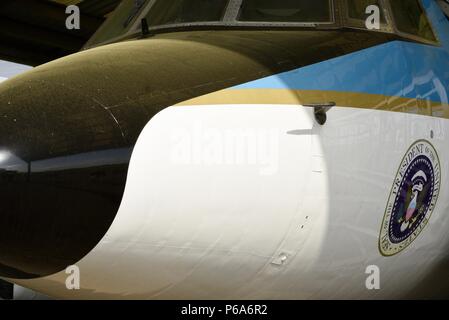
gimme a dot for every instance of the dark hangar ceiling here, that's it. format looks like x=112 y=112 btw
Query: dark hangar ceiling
x=33 y=31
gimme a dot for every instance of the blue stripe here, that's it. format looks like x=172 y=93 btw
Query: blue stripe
x=397 y=68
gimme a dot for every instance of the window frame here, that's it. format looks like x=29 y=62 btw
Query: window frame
x=130 y=29
x=229 y=19
x=444 y=5
x=339 y=14
x=413 y=36
x=232 y=12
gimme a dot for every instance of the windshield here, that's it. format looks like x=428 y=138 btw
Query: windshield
x=120 y=22
x=305 y=11
x=410 y=18
x=400 y=16
x=185 y=11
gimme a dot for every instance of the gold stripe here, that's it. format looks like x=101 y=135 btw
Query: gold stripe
x=301 y=97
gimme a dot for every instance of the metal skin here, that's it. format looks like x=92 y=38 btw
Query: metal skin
x=94 y=177
x=68 y=128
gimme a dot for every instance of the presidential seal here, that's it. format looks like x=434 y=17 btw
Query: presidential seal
x=412 y=200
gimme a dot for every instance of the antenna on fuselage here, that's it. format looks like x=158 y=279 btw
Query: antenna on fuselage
x=6 y=290
x=145 y=30
x=320 y=110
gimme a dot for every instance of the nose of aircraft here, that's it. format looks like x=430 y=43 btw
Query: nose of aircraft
x=63 y=163
x=67 y=129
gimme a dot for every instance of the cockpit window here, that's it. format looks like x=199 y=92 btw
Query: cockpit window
x=138 y=4
x=444 y=5
x=301 y=11
x=166 y=12
x=120 y=21
x=406 y=18
x=410 y=18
